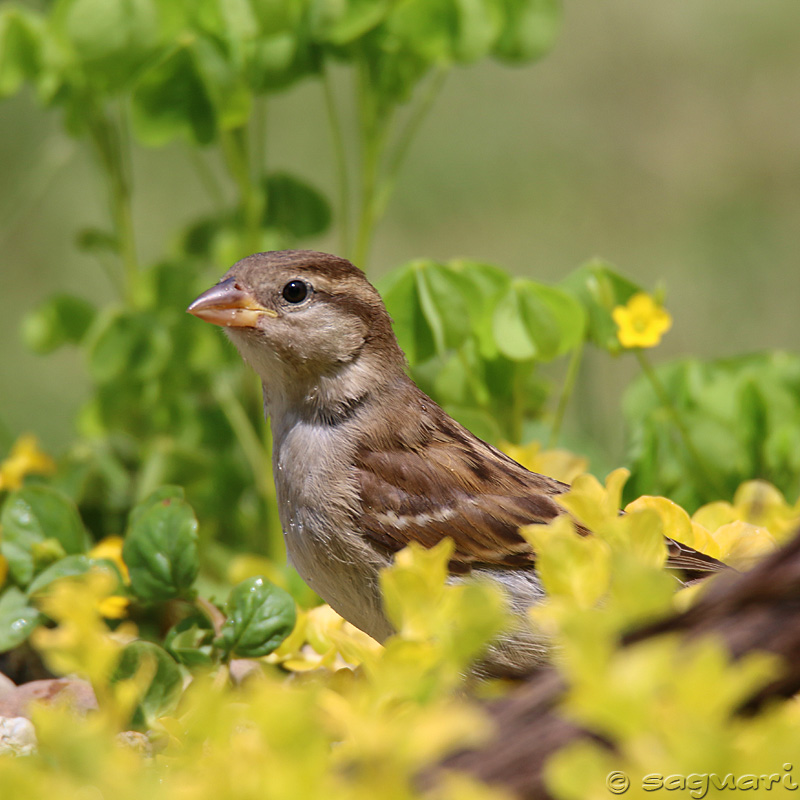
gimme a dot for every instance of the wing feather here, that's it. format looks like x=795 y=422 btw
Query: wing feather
x=445 y=482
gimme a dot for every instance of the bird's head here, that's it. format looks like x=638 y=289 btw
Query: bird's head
x=299 y=316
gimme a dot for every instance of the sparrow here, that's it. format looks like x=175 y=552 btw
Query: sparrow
x=365 y=463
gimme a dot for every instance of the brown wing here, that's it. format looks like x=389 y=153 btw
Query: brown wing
x=410 y=496
x=444 y=482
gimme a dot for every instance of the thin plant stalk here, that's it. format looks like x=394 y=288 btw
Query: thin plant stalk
x=405 y=139
x=110 y=148
x=252 y=446
x=340 y=157
x=573 y=369
x=235 y=148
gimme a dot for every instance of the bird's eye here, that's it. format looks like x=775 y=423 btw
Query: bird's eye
x=295 y=291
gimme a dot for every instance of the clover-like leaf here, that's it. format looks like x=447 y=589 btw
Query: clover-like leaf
x=260 y=616
x=112 y=39
x=530 y=29
x=20 y=44
x=294 y=207
x=172 y=100
x=341 y=23
x=533 y=321
x=600 y=289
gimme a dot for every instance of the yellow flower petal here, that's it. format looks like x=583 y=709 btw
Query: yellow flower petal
x=113 y=607
x=559 y=464
x=742 y=544
x=110 y=548
x=641 y=322
x=25 y=459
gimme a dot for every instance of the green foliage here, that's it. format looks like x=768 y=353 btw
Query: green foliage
x=161 y=692
x=17 y=618
x=669 y=707
x=160 y=549
x=173 y=426
x=170 y=403
x=475 y=339
x=260 y=616
x=40 y=525
x=155 y=568
x=742 y=415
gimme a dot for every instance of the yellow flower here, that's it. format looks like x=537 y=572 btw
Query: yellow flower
x=25 y=458
x=559 y=464
x=641 y=322
x=110 y=548
x=113 y=607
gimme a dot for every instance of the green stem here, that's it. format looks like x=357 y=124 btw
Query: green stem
x=208 y=179
x=518 y=402
x=110 y=147
x=255 y=452
x=476 y=386
x=408 y=134
x=373 y=135
x=695 y=458
x=259 y=155
x=237 y=158
x=340 y=156
x=566 y=393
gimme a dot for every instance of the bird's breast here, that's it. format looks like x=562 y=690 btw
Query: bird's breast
x=317 y=502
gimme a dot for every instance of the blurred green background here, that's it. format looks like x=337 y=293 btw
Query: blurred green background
x=662 y=137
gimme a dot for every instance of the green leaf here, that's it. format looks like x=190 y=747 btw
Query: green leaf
x=17 y=618
x=164 y=689
x=260 y=617
x=600 y=289
x=294 y=207
x=190 y=642
x=32 y=516
x=63 y=319
x=98 y=241
x=63 y=568
x=128 y=344
x=172 y=101
x=478 y=24
x=435 y=306
x=154 y=499
x=426 y=28
x=160 y=550
x=273 y=63
x=112 y=39
x=530 y=29
x=533 y=321
x=399 y=291
x=20 y=43
x=737 y=413
x=443 y=298
x=278 y=16
x=341 y=23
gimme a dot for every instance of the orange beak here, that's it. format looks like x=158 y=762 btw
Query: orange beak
x=229 y=305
